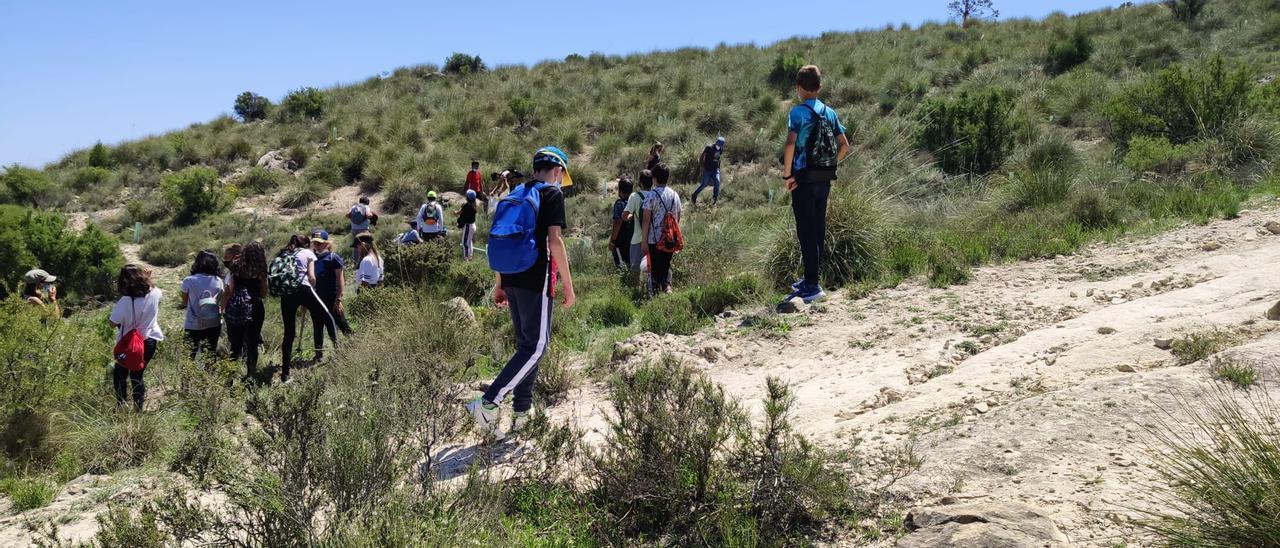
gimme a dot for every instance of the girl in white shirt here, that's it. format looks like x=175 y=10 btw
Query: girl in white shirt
x=138 y=308
x=370 y=272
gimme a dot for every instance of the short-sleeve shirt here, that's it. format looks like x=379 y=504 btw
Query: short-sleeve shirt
x=800 y=120
x=370 y=271
x=302 y=260
x=199 y=286
x=327 y=267
x=357 y=211
x=550 y=213
x=468 y=214
x=711 y=157
x=661 y=202
x=142 y=313
x=474 y=182
x=634 y=205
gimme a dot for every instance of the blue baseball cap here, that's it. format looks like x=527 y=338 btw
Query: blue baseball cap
x=319 y=235
x=720 y=140
x=471 y=194
x=553 y=155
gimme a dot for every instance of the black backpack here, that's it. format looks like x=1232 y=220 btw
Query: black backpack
x=821 y=151
x=627 y=228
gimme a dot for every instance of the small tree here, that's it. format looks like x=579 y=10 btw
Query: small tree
x=522 y=107
x=99 y=156
x=1066 y=54
x=970 y=134
x=966 y=10
x=251 y=106
x=25 y=184
x=304 y=103
x=1186 y=10
x=195 y=192
x=461 y=63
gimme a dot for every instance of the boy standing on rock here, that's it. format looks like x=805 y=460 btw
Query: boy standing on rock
x=816 y=143
x=527 y=251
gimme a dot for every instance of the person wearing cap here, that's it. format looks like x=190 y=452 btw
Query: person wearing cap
x=709 y=162
x=501 y=186
x=430 y=218
x=39 y=289
x=330 y=282
x=528 y=295
x=411 y=236
x=467 y=223
x=306 y=297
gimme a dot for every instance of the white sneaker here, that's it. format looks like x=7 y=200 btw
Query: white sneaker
x=518 y=421
x=486 y=418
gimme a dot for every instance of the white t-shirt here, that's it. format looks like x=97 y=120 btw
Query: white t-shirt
x=370 y=271
x=199 y=286
x=303 y=259
x=142 y=313
x=661 y=202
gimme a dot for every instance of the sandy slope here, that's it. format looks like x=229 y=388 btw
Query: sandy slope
x=1047 y=411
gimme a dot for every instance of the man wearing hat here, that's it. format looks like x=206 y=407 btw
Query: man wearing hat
x=430 y=218
x=529 y=294
x=709 y=162
x=38 y=288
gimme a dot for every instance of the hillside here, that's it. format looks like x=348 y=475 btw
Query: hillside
x=1029 y=205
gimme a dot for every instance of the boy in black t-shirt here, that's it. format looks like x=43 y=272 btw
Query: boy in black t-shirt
x=623 y=225
x=528 y=294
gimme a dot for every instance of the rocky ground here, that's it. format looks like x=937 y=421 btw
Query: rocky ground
x=1028 y=392
x=1034 y=383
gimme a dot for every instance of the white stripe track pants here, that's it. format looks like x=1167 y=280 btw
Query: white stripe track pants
x=531 y=317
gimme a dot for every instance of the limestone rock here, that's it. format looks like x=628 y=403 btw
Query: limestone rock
x=457 y=307
x=793 y=305
x=1272 y=227
x=712 y=352
x=983 y=524
x=1126 y=368
x=1163 y=342
x=1274 y=312
x=276 y=160
x=981 y=407
x=1210 y=246
x=451 y=197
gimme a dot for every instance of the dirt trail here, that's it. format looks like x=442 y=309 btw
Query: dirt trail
x=1031 y=383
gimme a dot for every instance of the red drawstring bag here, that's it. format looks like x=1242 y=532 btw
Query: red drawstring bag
x=130 y=349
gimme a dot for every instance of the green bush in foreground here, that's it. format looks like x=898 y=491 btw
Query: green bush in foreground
x=854 y=245
x=1218 y=472
x=670 y=313
x=28 y=493
x=195 y=192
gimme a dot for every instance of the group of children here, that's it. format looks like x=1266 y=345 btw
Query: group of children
x=306 y=273
x=526 y=251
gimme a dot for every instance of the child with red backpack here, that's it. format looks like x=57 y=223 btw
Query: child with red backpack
x=661 y=225
x=527 y=252
x=136 y=320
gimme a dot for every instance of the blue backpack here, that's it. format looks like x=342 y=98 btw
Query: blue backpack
x=513 y=243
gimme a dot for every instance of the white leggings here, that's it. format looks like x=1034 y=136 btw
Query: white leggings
x=468 y=240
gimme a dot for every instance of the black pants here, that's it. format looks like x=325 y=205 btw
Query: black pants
x=305 y=297
x=339 y=320
x=622 y=254
x=809 y=204
x=122 y=378
x=660 y=268
x=245 y=339
x=531 y=320
x=203 y=339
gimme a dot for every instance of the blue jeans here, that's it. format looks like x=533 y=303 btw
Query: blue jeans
x=710 y=178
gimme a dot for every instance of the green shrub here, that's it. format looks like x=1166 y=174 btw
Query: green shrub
x=86 y=262
x=854 y=244
x=99 y=156
x=1240 y=373
x=195 y=192
x=461 y=63
x=714 y=298
x=259 y=180
x=785 y=68
x=303 y=193
x=1217 y=472
x=87 y=178
x=522 y=107
x=28 y=493
x=1182 y=103
x=1157 y=155
x=971 y=133
x=1186 y=11
x=1199 y=345
x=25 y=185
x=305 y=103
x=111 y=439
x=669 y=313
x=1024 y=191
x=251 y=106
x=659 y=469
x=612 y=311
x=1068 y=53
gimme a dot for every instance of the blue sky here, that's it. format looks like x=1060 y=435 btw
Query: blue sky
x=78 y=71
